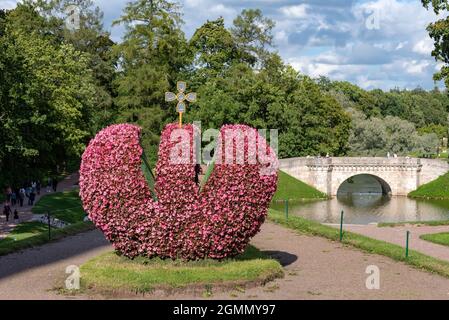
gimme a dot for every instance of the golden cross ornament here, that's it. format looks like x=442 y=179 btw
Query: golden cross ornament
x=182 y=97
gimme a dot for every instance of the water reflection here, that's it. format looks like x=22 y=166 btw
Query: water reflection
x=369 y=208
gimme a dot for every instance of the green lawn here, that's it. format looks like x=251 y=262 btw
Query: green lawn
x=437 y=189
x=423 y=223
x=293 y=189
x=31 y=234
x=65 y=206
x=109 y=272
x=415 y=259
x=444 y=155
x=440 y=238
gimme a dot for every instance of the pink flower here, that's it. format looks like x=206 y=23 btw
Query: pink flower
x=217 y=222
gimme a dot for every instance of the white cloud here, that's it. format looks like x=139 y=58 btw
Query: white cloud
x=222 y=10
x=424 y=47
x=401 y=45
x=7 y=4
x=415 y=67
x=281 y=37
x=329 y=37
x=297 y=11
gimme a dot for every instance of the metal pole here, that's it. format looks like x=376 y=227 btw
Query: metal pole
x=341 y=225
x=407 y=243
x=286 y=209
x=49 y=225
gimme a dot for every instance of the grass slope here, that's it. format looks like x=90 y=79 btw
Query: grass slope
x=111 y=273
x=65 y=206
x=415 y=259
x=439 y=238
x=436 y=189
x=293 y=189
x=31 y=234
x=417 y=223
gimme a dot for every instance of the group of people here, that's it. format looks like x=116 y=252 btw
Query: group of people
x=29 y=191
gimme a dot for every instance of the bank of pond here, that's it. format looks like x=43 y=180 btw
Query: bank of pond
x=430 y=202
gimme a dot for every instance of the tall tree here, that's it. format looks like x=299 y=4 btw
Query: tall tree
x=254 y=36
x=153 y=54
x=214 y=49
x=439 y=32
x=87 y=35
x=47 y=94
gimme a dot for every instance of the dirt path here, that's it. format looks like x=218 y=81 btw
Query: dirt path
x=315 y=268
x=33 y=273
x=25 y=213
x=397 y=235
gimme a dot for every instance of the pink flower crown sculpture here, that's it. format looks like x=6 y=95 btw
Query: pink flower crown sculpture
x=185 y=221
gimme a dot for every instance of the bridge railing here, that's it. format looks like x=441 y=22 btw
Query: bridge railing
x=374 y=161
x=349 y=161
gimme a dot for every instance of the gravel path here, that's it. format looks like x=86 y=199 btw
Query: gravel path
x=33 y=273
x=315 y=268
x=397 y=235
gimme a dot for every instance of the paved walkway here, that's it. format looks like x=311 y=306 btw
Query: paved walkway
x=397 y=235
x=34 y=273
x=315 y=268
x=25 y=213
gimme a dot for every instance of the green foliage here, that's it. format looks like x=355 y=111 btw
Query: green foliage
x=437 y=129
x=423 y=108
x=214 y=47
x=253 y=34
x=376 y=137
x=290 y=188
x=436 y=189
x=52 y=81
x=218 y=64
x=439 y=32
x=58 y=87
x=356 y=96
x=46 y=101
x=111 y=273
x=152 y=56
x=309 y=121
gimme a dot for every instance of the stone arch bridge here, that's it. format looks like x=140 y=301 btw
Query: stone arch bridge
x=397 y=176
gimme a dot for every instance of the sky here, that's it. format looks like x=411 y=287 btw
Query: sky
x=372 y=43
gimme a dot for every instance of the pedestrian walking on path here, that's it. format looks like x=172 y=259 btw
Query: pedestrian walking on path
x=7 y=211
x=32 y=197
x=21 y=196
x=49 y=184
x=23 y=199
x=13 y=198
x=55 y=184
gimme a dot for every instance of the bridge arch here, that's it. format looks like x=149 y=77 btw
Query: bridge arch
x=401 y=174
x=364 y=183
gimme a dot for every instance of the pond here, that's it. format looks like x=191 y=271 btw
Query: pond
x=364 y=202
